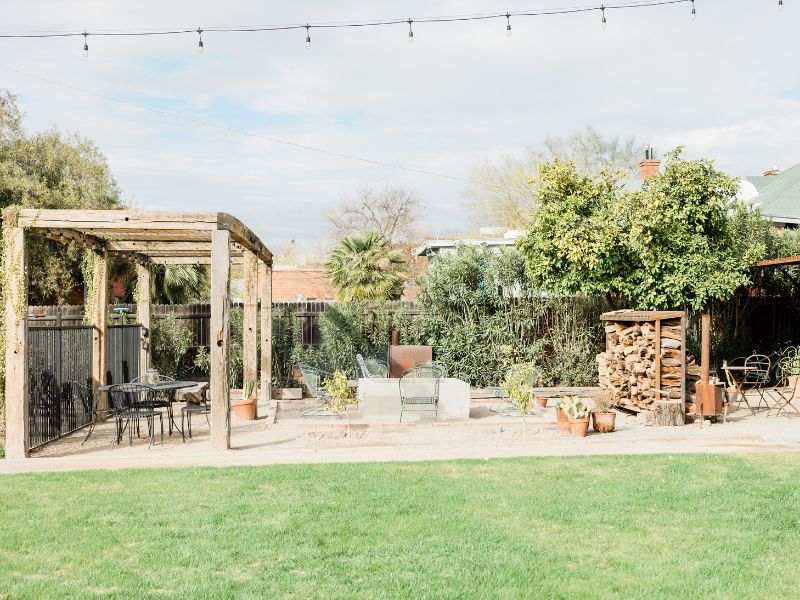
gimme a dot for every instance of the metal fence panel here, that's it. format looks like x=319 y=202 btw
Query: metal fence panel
x=122 y=353
x=59 y=371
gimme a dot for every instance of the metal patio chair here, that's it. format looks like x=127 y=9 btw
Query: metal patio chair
x=419 y=387
x=204 y=408
x=433 y=363
x=786 y=390
x=132 y=402
x=757 y=377
x=372 y=368
x=160 y=399
x=314 y=380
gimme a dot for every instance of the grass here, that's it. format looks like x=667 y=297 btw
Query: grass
x=690 y=526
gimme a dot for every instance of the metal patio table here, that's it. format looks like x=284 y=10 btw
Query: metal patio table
x=167 y=387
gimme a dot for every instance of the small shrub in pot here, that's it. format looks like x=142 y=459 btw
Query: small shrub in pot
x=603 y=415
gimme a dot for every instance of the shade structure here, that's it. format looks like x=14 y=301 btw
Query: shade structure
x=144 y=237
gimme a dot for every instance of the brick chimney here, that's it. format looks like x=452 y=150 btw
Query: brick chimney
x=649 y=167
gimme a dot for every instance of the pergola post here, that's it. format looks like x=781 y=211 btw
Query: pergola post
x=143 y=314
x=220 y=338
x=99 y=293
x=16 y=307
x=265 y=297
x=250 y=320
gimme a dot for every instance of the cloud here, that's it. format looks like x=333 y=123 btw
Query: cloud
x=723 y=86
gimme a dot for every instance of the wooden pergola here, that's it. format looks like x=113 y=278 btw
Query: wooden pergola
x=144 y=237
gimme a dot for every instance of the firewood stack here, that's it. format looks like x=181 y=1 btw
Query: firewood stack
x=631 y=370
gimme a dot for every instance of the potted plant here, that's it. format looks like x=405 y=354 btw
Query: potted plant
x=603 y=416
x=541 y=401
x=518 y=386
x=578 y=417
x=562 y=420
x=342 y=395
x=245 y=409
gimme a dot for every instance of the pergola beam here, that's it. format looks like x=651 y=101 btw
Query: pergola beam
x=250 y=319
x=219 y=339
x=16 y=305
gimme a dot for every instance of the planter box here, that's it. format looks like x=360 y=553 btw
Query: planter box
x=287 y=393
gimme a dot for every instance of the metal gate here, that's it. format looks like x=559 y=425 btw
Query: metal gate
x=60 y=381
x=122 y=355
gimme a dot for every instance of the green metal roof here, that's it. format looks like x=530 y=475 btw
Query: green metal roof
x=760 y=181
x=779 y=198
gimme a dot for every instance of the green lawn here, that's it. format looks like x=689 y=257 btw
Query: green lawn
x=628 y=527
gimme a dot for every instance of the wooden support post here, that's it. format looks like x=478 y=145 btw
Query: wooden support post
x=16 y=307
x=250 y=320
x=705 y=346
x=100 y=325
x=265 y=297
x=220 y=339
x=143 y=314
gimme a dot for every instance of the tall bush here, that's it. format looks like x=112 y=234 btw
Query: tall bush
x=481 y=315
x=171 y=342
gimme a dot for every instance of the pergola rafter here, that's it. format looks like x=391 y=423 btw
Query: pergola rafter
x=145 y=237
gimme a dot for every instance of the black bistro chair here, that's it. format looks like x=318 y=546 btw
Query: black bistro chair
x=203 y=408
x=132 y=403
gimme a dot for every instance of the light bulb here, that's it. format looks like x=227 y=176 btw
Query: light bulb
x=200 y=41
x=508 y=25
x=410 y=32
x=780 y=4
x=694 y=12
x=603 y=22
x=85 y=45
x=308 y=38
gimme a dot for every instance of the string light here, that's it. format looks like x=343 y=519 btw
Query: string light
x=694 y=13
x=462 y=18
x=85 y=45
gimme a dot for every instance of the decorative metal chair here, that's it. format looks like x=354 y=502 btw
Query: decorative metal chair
x=314 y=380
x=204 y=408
x=756 y=377
x=372 y=368
x=419 y=387
x=787 y=389
x=132 y=402
x=160 y=399
x=433 y=363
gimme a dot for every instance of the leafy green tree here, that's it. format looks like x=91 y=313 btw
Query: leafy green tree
x=367 y=267
x=51 y=170
x=503 y=194
x=669 y=245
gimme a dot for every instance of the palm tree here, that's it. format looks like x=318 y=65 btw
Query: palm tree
x=367 y=267
x=169 y=284
x=179 y=284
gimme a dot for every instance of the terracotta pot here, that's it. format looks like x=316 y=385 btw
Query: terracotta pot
x=604 y=422
x=562 y=420
x=542 y=402
x=579 y=427
x=245 y=410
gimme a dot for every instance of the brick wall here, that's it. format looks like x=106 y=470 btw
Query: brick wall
x=313 y=284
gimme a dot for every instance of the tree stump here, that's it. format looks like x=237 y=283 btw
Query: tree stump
x=668 y=413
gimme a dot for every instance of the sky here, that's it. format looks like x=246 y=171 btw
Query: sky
x=724 y=85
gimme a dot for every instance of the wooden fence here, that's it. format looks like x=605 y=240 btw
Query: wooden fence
x=196 y=317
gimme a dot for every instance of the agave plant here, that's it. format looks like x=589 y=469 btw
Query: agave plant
x=367 y=267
